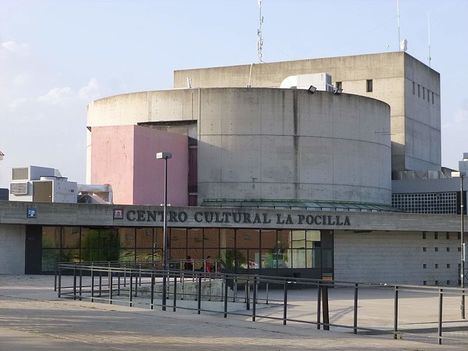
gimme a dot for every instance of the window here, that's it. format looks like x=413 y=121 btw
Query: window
x=428 y=96
x=436 y=266
x=424 y=282
x=414 y=88
x=424 y=235
x=436 y=249
x=419 y=90
x=448 y=236
x=424 y=93
x=448 y=249
x=424 y=266
x=433 y=98
x=448 y=265
x=436 y=235
x=424 y=249
x=339 y=85
x=369 y=85
x=448 y=282
x=436 y=282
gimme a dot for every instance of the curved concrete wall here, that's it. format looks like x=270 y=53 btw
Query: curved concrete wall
x=268 y=143
x=290 y=144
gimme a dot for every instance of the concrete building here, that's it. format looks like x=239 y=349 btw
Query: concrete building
x=292 y=181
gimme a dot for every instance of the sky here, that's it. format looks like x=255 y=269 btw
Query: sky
x=57 y=56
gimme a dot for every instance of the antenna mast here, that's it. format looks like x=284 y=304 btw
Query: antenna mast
x=429 y=37
x=260 y=33
x=398 y=22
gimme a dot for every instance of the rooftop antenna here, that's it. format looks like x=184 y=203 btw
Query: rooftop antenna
x=429 y=38
x=259 y=33
x=398 y=21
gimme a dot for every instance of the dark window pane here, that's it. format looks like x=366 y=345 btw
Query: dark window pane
x=247 y=239
x=212 y=257
x=144 y=238
x=369 y=85
x=228 y=259
x=71 y=237
x=178 y=238
x=227 y=238
x=50 y=257
x=127 y=255
x=195 y=238
x=90 y=238
x=268 y=239
x=211 y=238
x=70 y=255
x=144 y=255
x=127 y=237
x=51 y=237
x=158 y=238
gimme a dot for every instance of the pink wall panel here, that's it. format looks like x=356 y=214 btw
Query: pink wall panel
x=112 y=159
x=149 y=172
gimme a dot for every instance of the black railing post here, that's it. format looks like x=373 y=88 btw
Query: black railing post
x=74 y=282
x=395 y=314
x=131 y=289
x=164 y=291
x=152 y=291
x=225 y=295
x=234 y=295
x=92 y=284
x=325 y=310
x=247 y=295
x=285 y=302
x=319 y=305
x=139 y=274
x=199 y=292
x=100 y=282
x=254 y=299
x=55 y=277
x=136 y=285
x=59 y=294
x=81 y=283
x=109 y=279
x=175 y=293
x=125 y=275
x=118 y=281
x=355 y=308
x=266 y=292
x=441 y=295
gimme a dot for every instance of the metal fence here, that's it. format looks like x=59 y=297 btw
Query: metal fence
x=398 y=310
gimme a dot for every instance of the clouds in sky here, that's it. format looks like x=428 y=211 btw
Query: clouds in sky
x=42 y=120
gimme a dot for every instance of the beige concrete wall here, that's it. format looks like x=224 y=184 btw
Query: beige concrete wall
x=396 y=257
x=415 y=135
x=289 y=144
x=12 y=248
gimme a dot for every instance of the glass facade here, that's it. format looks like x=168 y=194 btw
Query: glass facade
x=235 y=250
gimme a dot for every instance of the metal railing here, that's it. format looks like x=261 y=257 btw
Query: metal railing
x=249 y=295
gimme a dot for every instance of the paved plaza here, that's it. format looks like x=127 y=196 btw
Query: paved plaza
x=32 y=318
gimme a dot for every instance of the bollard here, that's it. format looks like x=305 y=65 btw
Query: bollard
x=225 y=296
x=325 y=311
x=441 y=295
x=355 y=308
x=395 y=314
x=285 y=302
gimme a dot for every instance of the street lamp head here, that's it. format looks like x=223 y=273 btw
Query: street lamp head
x=163 y=155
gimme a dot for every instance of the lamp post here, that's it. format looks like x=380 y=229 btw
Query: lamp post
x=462 y=245
x=165 y=156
